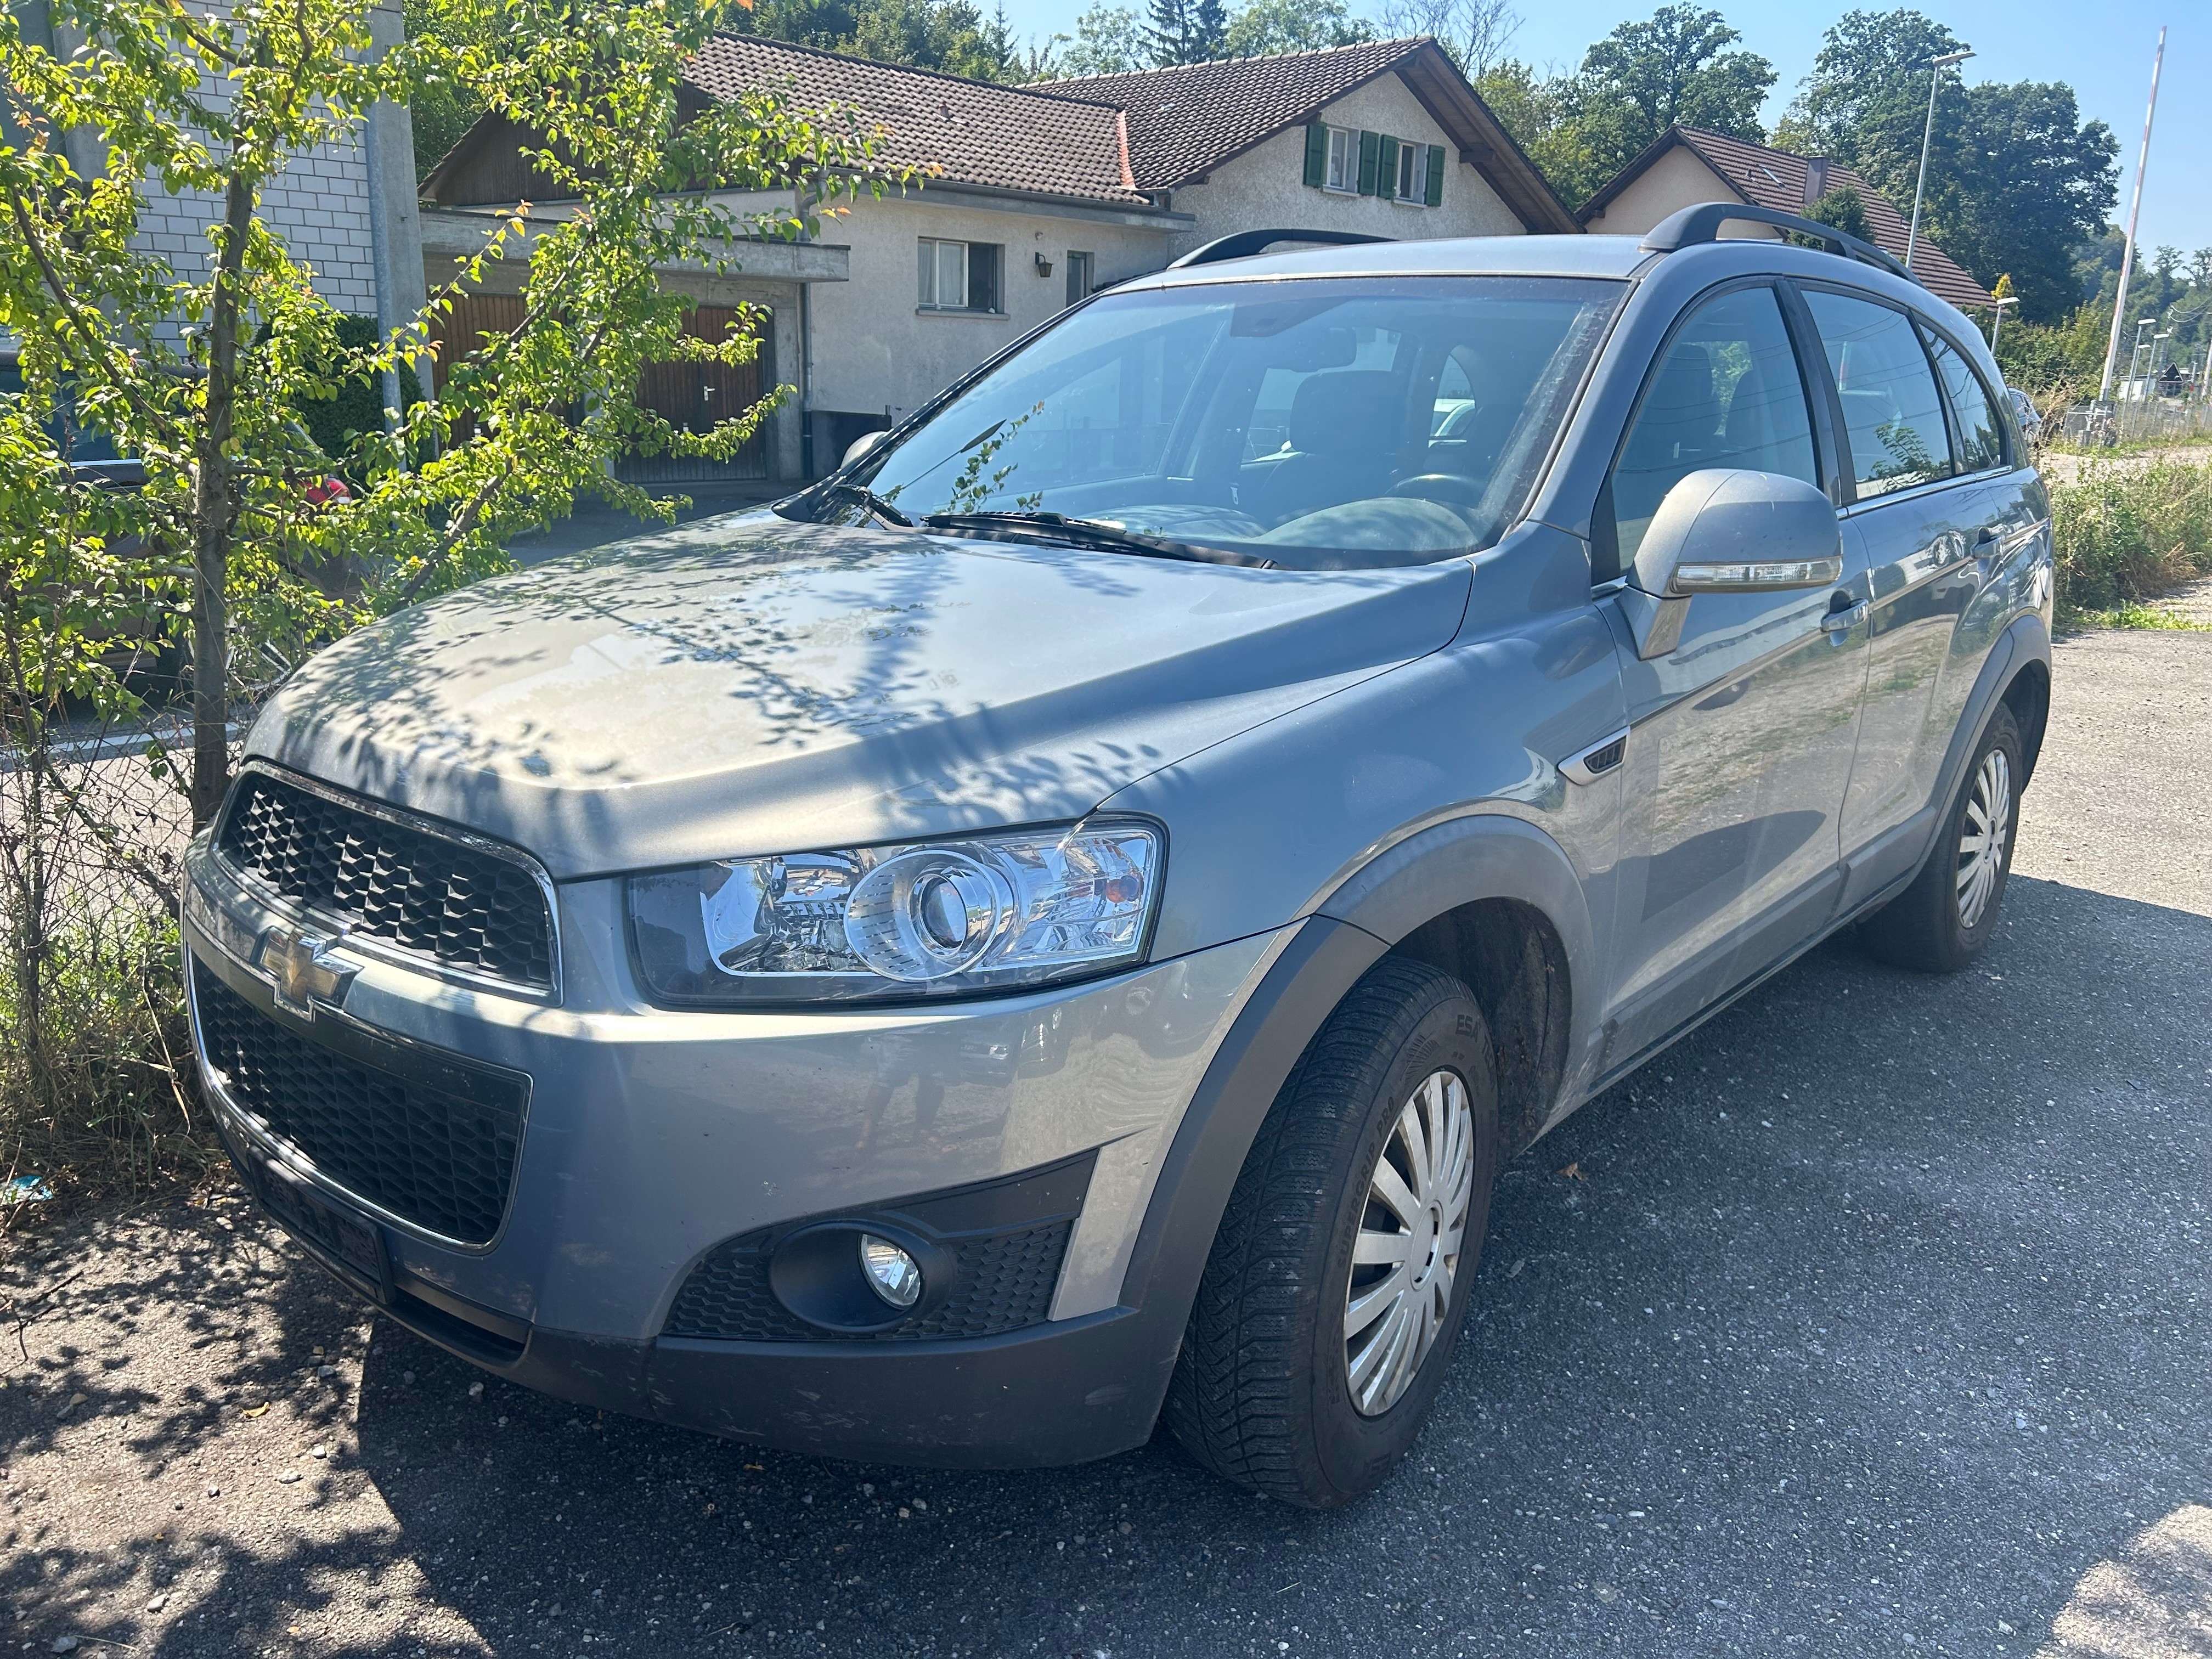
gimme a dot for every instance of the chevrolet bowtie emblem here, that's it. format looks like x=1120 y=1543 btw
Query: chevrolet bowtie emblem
x=304 y=973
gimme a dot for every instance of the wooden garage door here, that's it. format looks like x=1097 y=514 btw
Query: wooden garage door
x=690 y=396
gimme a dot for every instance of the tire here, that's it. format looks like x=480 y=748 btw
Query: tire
x=1264 y=1389
x=1941 y=923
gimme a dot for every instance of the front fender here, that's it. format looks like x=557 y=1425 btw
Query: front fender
x=1484 y=855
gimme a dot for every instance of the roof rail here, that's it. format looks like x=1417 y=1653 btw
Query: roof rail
x=1245 y=243
x=1702 y=222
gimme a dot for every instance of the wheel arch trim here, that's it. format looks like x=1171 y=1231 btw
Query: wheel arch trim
x=1481 y=856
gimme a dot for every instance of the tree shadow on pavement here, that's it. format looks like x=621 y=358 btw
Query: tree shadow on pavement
x=1854 y=1320
x=1873 y=1311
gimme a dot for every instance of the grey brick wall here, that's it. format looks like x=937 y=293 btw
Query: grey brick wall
x=319 y=205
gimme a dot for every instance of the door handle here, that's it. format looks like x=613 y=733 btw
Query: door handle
x=1839 y=624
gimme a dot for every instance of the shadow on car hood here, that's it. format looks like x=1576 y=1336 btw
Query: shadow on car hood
x=749 y=685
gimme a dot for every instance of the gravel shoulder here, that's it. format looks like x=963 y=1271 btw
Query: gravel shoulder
x=1872 y=1319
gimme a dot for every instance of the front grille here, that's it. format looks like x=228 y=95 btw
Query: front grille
x=422 y=892
x=1001 y=1283
x=440 y=1153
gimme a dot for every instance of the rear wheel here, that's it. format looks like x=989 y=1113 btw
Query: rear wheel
x=1941 y=923
x=1327 y=1313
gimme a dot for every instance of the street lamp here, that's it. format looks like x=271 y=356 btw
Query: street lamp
x=1935 y=67
x=2134 y=351
x=1997 y=327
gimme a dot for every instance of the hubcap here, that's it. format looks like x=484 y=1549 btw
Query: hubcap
x=1407 y=1252
x=1983 y=836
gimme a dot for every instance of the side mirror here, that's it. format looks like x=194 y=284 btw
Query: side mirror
x=859 y=447
x=1727 y=531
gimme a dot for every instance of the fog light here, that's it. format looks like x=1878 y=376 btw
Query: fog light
x=892 y=1274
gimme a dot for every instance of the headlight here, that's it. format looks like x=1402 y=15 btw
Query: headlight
x=996 y=912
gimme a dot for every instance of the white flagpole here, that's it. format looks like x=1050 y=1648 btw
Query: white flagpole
x=2135 y=207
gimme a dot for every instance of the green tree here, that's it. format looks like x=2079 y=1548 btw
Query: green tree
x=1675 y=67
x=196 y=366
x=1541 y=112
x=2016 y=180
x=1871 y=72
x=439 y=107
x=1265 y=29
x=954 y=36
x=1109 y=40
x=1843 y=210
x=1186 y=30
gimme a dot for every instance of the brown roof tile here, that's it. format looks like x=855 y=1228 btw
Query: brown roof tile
x=1185 y=121
x=972 y=132
x=1777 y=178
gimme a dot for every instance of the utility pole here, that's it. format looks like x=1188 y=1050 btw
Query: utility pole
x=1935 y=67
x=2135 y=207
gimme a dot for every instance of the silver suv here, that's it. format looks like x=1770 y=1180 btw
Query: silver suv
x=1057 y=927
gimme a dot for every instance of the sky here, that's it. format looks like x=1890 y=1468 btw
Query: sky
x=2103 y=49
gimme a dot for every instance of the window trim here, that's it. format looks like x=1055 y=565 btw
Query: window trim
x=1413 y=169
x=968 y=307
x=1348 y=153
x=1999 y=405
x=937 y=244
x=1604 y=528
x=1914 y=321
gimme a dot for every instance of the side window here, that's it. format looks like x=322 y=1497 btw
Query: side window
x=1976 y=445
x=1081 y=275
x=956 y=276
x=1892 y=414
x=1728 y=394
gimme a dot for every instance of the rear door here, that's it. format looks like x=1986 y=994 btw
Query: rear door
x=1739 y=750
x=1931 y=493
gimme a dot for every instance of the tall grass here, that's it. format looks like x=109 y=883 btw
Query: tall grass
x=95 y=1087
x=2128 y=533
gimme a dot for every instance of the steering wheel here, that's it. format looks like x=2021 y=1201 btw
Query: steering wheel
x=1445 y=488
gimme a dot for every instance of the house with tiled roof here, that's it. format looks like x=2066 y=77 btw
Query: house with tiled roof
x=1030 y=198
x=1687 y=165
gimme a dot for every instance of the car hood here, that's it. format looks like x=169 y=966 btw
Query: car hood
x=748 y=685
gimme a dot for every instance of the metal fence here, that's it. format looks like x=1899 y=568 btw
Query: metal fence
x=2092 y=425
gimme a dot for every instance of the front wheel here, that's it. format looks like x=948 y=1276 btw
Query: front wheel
x=1328 y=1309
x=1941 y=923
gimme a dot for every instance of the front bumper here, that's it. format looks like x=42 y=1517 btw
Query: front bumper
x=652 y=1137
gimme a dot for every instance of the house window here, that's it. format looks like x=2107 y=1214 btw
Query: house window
x=956 y=276
x=1412 y=173
x=1080 y=269
x=1343 y=160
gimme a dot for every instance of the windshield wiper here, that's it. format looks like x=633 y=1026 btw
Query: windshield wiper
x=1097 y=534
x=878 y=505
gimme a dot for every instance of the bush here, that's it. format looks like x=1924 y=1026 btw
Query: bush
x=2127 y=533
x=95 y=1087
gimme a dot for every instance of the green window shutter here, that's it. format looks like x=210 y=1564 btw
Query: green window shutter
x=1370 y=142
x=1316 y=156
x=1436 y=195
x=1386 y=167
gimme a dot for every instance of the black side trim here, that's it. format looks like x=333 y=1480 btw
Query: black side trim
x=1322 y=961
x=994 y=1254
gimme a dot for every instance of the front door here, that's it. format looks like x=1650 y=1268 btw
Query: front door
x=1741 y=737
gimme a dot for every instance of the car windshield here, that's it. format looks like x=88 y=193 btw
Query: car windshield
x=1313 y=424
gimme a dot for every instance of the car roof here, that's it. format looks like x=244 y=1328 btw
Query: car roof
x=1613 y=257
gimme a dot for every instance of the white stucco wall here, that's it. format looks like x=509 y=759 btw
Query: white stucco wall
x=1677 y=180
x=1265 y=187
x=875 y=350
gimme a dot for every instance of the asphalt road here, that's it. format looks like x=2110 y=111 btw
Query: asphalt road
x=1873 y=1320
